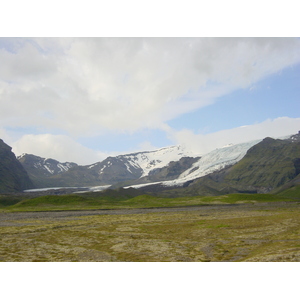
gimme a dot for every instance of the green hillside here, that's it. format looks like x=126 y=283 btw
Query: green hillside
x=269 y=164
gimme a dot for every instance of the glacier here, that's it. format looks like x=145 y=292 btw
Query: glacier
x=210 y=162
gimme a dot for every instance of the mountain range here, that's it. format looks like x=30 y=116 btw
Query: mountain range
x=112 y=170
x=256 y=166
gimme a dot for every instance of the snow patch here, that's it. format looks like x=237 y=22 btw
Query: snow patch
x=101 y=171
x=48 y=169
x=92 y=166
x=128 y=168
x=62 y=168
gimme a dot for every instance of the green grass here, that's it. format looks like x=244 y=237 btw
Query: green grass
x=234 y=198
x=293 y=192
x=64 y=200
x=113 y=200
x=8 y=200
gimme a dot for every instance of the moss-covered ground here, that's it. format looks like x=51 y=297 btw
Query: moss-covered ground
x=269 y=231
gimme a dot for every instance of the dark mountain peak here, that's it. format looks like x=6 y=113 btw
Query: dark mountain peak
x=13 y=176
x=268 y=140
x=28 y=157
x=4 y=147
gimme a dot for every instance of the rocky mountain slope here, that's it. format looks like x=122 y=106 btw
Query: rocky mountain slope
x=13 y=177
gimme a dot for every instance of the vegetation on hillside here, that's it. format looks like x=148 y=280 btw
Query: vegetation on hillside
x=268 y=164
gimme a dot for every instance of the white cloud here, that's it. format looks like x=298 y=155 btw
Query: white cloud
x=59 y=147
x=145 y=146
x=200 y=143
x=86 y=86
x=4 y=135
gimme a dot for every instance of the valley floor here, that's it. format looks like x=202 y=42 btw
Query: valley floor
x=240 y=232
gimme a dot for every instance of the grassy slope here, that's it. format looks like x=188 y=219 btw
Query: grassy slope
x=292 y=192
x=270 y=164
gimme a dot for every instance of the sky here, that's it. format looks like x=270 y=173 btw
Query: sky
x=83 y=99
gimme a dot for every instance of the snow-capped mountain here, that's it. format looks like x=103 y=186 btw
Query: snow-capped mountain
x=43 y=166
x=112 y=170
x=213 y=161
x=140 y=164
x=133 y=166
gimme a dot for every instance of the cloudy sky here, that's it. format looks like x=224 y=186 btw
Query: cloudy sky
x=82 y=99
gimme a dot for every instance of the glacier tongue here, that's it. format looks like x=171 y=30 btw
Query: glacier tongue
x=214 y=161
